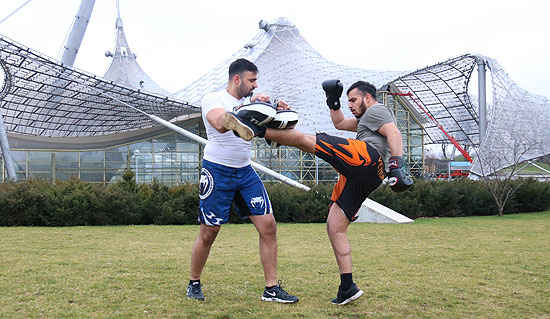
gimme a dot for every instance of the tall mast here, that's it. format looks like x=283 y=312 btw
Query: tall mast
x=78 y=29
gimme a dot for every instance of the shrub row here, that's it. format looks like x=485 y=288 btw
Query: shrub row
x=73 y=202
x=463 y=197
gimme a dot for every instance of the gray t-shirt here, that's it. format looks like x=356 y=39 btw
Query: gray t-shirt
x=368 y=125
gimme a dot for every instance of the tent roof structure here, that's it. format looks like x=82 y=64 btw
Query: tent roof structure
x=41 y=96
x=124 y=68
x=291 y=69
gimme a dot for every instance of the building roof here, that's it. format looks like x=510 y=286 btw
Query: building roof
x=124 y=68
x=43 y=97
x=290 y=69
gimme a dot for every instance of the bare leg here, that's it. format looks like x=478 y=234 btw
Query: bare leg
x=305 y=142
x=267 y=229
x=201 y=249
x=337 y=225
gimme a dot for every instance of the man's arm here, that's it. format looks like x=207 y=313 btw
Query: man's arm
x=333 y=90
x=342 y=123
x=214 y=117
x=395 y=141
x=398 y=179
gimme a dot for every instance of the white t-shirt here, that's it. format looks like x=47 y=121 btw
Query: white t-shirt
x=224 y=148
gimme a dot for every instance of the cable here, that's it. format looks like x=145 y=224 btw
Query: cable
x=9 y=15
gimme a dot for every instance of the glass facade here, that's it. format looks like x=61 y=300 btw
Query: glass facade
x=169 y=158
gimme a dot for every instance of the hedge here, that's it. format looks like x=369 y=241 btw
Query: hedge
x=74 y=203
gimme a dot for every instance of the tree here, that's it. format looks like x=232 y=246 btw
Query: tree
x=500 y=161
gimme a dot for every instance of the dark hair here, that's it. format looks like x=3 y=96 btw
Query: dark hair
x=240 y=65
x=364 y=87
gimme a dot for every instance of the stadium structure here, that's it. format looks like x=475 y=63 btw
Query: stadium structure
x=57 y=121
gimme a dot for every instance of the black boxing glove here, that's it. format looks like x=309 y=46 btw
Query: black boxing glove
x=398 y=179
x=333 y=90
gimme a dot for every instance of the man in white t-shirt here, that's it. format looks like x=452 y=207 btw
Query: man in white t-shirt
x=227 y=176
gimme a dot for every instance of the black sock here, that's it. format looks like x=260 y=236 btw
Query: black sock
x=345 y=281
x=191 y=282
x=269 y=288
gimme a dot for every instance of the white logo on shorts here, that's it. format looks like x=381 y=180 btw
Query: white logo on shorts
x=206 y=184
x=257 y=201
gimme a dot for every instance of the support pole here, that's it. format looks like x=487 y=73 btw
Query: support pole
x=77 y=32
x=6 y=153
x=482 y=98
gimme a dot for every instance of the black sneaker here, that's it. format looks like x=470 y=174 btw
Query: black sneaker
x=241 y=127
x=194 y=291
x=344 y=297
x=279 y=295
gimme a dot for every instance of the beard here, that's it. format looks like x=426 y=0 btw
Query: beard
x=244 y=92
x=363 y=109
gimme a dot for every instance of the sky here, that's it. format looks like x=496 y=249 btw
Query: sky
x=176 y=42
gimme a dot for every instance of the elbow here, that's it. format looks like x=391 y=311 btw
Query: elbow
x=220 y=128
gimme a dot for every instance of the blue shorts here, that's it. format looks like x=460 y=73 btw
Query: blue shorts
x=221 y=185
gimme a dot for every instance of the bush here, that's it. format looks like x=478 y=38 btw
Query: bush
x=182 y=206
x=31 y=203
x=73 y=202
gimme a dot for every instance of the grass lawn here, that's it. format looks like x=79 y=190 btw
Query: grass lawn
x=476 y=267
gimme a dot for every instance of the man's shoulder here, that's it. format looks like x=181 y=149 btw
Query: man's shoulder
x=213 y=95
x=379 y=106
x=379 y=109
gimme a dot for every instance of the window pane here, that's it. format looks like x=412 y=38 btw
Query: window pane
x=142 y=146
x=40 y=156
x=40 y=175
x=66 y=156
x=188 y=147
x=65 y=165
x=91 y=165
x=92 y=176
x=40 y=166
x=92 y=156
x=63 y=176
x=119 y=165
x=115 y=156
x=123 y=148
x=18 y=155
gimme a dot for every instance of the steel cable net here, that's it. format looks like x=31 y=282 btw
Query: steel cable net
x=441 y=91
x=292 y=70
x=40 y=96
x=517 y=129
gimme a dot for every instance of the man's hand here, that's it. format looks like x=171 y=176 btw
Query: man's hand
x=260 y=97
x=333 y=90
x=281 y=105
x=398 y=179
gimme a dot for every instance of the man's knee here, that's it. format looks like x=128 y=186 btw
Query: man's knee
x=208 y=234
x=337 y=221
x=266 y=225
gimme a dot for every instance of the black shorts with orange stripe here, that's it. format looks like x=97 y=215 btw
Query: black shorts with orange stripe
x=360 y=166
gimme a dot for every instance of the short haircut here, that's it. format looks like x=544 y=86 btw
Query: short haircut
x=363 y=87
x=241 y=65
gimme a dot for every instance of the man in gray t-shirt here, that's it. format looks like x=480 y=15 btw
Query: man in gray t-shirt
x=362 y=163
x=367 y=129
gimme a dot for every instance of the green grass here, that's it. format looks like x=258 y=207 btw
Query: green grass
x=530 y=169
x=477 y=267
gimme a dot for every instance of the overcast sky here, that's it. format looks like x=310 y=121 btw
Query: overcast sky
x=178 y=41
